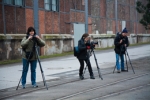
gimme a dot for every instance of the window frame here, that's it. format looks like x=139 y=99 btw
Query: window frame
x=13 y=3
x=51 y=5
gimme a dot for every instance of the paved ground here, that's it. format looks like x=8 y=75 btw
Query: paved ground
x=10 y=74
x=117 y=86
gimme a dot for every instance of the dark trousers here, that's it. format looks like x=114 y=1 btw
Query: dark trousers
x=33 y=64
x=87 y=61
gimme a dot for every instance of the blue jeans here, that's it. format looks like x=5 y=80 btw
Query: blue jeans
x=33 y=64
x=122 y=61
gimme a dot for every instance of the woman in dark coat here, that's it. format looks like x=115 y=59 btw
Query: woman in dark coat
x=83 y=45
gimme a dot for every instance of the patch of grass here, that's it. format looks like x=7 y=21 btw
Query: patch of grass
x=129 y=45
x=139 y=44
x=62 y=54
x=56 y=55
x=4 y=62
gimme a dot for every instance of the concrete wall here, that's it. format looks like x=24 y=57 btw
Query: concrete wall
x=57 y=43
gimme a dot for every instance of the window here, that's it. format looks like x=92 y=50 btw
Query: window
x=19 y=2
x=52 y=5
x=14 y=2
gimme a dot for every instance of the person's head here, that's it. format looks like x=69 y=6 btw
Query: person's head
x=86 y=37
x=31 y=31
x=124 y=32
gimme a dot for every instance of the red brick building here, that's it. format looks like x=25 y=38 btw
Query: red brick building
x=57 y=17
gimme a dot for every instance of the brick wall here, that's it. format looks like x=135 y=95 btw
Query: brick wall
x=29 y=18
x=10 y=19
x=20 y=20
x=1 y=20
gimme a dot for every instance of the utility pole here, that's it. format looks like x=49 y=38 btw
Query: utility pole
x=86 y=16
x=36 y=16
x=136 y=26
x=3 y=11
x=116 y=15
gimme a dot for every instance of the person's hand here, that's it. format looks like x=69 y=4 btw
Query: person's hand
x=125 y=45
x=37 y=37
x=30 y=37
x=120 y=41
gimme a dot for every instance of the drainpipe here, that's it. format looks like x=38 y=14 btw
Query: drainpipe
x=136 y=26
x=116 y=17
x=36 y=16
x=86 y=16
x=36 y=19
x=3 y=10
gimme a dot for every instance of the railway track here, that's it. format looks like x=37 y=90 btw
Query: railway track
x=109 y=84
x=24 y=91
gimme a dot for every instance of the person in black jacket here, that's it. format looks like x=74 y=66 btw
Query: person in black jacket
x=121 y=42
x=83 y=45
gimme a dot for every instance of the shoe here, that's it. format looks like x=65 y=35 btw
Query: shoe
x=124 y=70
x=118 y=71
x=23 y=86
x=81 y=77
x=92 y=77
x=34 y=86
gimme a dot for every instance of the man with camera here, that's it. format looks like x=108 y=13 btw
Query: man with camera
x=84 y=45
x=121 y=43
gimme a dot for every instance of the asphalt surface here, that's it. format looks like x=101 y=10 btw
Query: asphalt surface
x=64 y=84
x=10 y=74
x=115 y=86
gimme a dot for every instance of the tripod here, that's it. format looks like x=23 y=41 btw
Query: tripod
x=98 y=69
x=44 y=81
x=126 y=55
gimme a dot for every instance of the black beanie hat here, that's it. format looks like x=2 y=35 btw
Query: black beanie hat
x=125 y=30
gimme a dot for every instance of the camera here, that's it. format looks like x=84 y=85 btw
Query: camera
x=93 y=43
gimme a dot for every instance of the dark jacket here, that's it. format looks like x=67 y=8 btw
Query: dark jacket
x=83 y=54
x=27 y=46
x=120 y=48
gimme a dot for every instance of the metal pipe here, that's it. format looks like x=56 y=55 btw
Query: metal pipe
x=3 y=10
x=136 y=25
x=36 y=16
x=86 y=16
x=116 y=17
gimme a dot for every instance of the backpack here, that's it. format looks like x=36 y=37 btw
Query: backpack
x=76 y=51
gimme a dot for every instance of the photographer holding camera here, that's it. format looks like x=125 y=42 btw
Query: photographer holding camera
x=84 y=45
x=121 y=42
x=29 y=55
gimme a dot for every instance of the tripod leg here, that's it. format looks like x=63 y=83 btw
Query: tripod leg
x=19 y=83
x=117 y=62
x=44 y=81
x=114 y=69
x=24 y=69
x=85 y=69
x=126 y=61
x=130 y=62
x=97 y=66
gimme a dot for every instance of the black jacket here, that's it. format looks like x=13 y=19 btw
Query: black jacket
x=120 y=48
x=83 y=54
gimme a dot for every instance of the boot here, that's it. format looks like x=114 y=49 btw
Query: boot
x=92 y=76
x=81 y=77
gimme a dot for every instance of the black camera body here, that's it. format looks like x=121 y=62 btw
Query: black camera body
x=93 y=43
